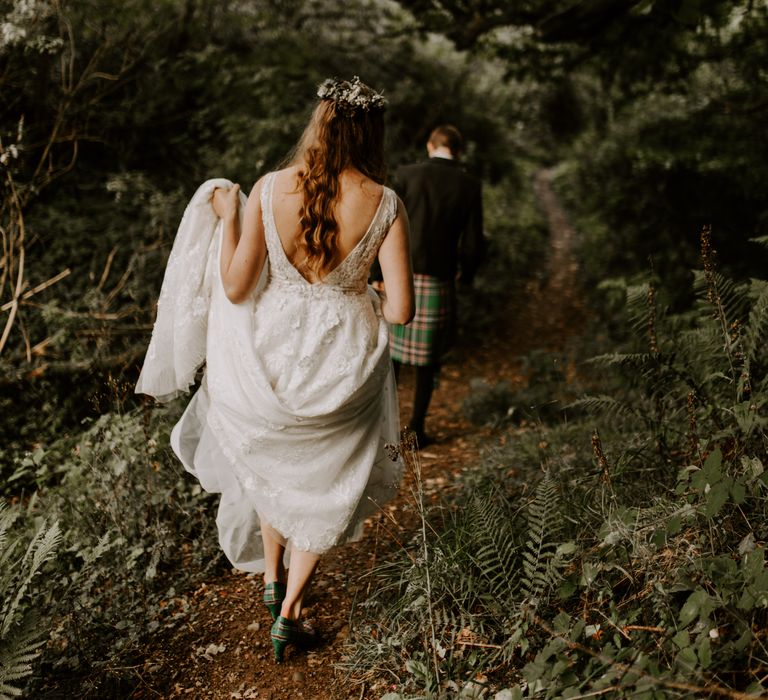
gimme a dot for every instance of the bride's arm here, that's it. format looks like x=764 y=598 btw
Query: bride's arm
x=395 y=260
x=243 y=248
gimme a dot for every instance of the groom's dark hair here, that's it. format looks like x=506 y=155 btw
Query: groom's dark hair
x=448 y=136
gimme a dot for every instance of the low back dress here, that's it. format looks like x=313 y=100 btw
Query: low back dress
x=297 y=402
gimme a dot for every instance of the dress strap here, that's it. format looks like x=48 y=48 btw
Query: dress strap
x=266 y=200
x=268 y=216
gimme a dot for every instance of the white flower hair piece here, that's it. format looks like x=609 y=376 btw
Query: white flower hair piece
x=351 y=95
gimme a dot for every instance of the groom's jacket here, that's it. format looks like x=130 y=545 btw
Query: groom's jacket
x=445 y=211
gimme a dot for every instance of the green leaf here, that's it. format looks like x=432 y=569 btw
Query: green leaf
x=753 y=563
x=716 y=499
x=738 y=491
x=562 y=623
x=711 y=469
x=682 y=639
x=699 y=604
x=674 y=525
x=705 y=652
x=588 y=574
x=687 y=658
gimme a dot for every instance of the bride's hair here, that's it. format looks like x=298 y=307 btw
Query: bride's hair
x=340 y=135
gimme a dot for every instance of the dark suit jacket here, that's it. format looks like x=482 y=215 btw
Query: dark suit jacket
x=445 y=211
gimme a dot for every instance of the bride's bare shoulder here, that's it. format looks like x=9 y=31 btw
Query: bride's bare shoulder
x=287 y=179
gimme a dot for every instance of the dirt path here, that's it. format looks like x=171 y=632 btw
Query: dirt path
x=222 y=650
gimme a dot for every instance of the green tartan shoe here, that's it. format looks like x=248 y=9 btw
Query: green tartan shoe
x=274 y=594
x=285 y=632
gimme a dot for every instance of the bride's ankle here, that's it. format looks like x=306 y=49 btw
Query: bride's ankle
x=291 y=610
x=272 y=577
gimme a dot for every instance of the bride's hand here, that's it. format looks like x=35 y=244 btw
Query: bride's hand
x=226 y=202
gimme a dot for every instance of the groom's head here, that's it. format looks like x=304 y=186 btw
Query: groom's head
x=445 y=137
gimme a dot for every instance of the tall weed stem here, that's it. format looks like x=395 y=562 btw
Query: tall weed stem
x=410 y=451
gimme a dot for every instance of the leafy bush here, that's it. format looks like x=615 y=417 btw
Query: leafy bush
x=634 y=564
x=666 y=159
x=22 y=630
x=135 y=534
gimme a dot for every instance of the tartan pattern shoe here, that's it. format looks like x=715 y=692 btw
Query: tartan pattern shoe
x=285 y=632
x=274 y=594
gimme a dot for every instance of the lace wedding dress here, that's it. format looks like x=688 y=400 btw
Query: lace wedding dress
x=298 y=397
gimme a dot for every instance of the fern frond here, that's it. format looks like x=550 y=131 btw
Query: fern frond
x=602 y=405
x=756 y=331
x=733 y=296
x=19 y=651
x=762 y=240
x=21 y=632
x=495 y=544
x=40 y=550
x=7 y=519
x=544 y=525
x=637 y=298
x=632 y=360
x=8 y=691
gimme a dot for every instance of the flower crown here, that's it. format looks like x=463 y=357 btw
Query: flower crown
x=351 y=95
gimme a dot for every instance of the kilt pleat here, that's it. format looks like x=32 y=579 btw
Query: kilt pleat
x=431 y=332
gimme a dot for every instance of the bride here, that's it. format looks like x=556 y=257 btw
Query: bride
x=298 y=399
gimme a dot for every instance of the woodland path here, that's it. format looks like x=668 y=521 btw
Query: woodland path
x=222 y=650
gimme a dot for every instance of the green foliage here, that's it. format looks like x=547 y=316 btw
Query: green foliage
x=135 y=534
x=516 y=239
x=498 y=404
x=156 y=98
x=22 y=630
x=541 y=549
x=638 y=570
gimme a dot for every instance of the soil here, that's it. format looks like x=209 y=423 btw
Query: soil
x=222 y=649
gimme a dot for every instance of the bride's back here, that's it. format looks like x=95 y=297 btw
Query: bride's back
x=358 y=199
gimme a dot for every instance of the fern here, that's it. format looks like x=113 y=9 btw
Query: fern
x=762 y=240
x=21 y=634
x=602 y=405
x=544 y=524
x=756 y=331
x=732 y=297
x=631 y=360
x=18 y=653
x=495 y=543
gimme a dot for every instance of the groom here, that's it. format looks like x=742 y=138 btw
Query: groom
x=444 y=206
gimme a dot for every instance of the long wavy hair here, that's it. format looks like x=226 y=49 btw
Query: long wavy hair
x=335 y=138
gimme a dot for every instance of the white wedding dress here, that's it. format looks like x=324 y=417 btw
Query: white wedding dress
x=298 y=398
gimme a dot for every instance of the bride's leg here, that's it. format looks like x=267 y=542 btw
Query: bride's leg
x=274 y=548
x=300 y=572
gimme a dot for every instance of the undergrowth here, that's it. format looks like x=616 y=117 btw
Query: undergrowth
x=618 y=554
x=99 y=558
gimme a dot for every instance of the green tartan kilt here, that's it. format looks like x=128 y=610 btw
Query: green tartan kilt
x=431 y=333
